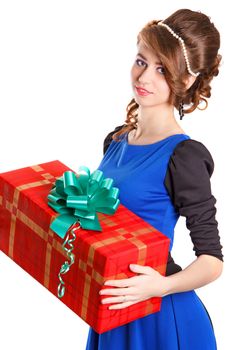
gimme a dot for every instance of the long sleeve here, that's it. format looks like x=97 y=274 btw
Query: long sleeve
x=188 y=183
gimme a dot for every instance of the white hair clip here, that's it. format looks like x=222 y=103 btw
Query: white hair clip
x=183 y=47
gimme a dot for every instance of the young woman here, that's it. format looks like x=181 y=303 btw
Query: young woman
x=162 y=173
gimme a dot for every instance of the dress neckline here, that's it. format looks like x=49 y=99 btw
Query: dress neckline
x=151 y=144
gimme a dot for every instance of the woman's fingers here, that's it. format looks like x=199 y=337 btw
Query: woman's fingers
x=118 y=299
x=117 y=291
x=127 y=282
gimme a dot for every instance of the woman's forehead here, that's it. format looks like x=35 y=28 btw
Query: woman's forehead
x=146 y=52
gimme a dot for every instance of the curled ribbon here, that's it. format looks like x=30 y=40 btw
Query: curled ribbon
x=77 y=198
x=66 y=265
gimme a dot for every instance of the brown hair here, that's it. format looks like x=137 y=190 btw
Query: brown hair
x=202 y=41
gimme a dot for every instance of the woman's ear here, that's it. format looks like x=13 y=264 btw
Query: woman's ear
x=189 y=81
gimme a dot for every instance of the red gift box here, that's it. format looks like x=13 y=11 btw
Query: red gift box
x=26 y=237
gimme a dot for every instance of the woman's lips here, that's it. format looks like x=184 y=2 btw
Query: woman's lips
x=142 y=92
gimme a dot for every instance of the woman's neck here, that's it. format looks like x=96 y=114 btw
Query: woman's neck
x=155 y=123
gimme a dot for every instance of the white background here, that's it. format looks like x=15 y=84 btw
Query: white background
x=64 y=84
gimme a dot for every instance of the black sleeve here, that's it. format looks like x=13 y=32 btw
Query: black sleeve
x=108 y=138
x=188 y=183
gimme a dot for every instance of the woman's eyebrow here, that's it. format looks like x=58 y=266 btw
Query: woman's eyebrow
x=140 y=54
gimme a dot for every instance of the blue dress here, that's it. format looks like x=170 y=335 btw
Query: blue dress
x=183 y=321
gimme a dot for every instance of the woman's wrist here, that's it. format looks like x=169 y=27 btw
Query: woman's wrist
x=168 y=286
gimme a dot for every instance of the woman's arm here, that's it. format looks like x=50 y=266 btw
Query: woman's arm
x=150 y=283
x=188 y=183
x=203 y=270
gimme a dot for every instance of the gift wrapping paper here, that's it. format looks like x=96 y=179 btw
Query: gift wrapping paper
x=26 y=237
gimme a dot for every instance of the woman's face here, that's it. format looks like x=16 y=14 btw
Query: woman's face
x=148 y=73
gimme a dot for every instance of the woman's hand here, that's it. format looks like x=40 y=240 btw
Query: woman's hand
x=149 y=283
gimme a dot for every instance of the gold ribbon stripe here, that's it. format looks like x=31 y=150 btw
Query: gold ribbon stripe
x=37 y=168
x=13 y=208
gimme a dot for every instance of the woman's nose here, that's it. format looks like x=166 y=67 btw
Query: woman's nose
x=145 y=76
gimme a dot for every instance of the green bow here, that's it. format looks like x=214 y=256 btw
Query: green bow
x=77 y=197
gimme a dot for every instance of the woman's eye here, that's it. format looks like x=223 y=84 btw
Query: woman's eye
x=162 y=70
x=139 y=62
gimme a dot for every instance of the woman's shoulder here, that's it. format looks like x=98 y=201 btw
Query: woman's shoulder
x=190 y=153
x=189 y=145
x=188 y=174
x=108 y=138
